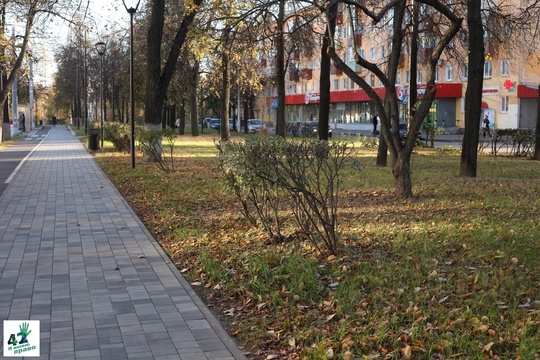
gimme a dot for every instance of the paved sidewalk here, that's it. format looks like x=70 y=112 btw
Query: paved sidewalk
x=75 y=256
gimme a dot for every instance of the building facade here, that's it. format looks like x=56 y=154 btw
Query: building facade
x=510 y=88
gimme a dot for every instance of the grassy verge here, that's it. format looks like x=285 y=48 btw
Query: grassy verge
x=453 y=274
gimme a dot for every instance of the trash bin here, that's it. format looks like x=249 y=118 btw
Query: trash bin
x=93 y=135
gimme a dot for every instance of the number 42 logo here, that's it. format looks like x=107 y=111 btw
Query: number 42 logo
x=21 y=338
x=23 y=334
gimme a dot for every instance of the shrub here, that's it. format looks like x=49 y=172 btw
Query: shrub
x=266 y=172
x=151 y=144
x=118 y=134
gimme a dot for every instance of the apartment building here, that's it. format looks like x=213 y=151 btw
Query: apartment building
x=510 y=88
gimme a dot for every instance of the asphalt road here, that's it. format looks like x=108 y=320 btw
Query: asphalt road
x=12 y=155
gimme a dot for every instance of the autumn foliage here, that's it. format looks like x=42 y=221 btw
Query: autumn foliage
x=276 y=180
x=454 y=274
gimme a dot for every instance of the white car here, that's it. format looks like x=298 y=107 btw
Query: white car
x=255 y=125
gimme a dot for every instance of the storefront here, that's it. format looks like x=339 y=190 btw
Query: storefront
x=528 y=103
x=353 y=109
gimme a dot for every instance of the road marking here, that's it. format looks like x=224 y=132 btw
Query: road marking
x=23 y=160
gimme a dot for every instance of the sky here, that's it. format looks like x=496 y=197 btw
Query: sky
x=103 y=16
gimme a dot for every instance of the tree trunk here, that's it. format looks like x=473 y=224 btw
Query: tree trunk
x=401 y=169
x=246 y=114
x=413 y=87
x=158 y=79
x=324 y=104
x=537 y=142
x=473 y=95
x=382 y=152
x=281 y=123
x=225 y=93
x=194 y=100
x=182 y=117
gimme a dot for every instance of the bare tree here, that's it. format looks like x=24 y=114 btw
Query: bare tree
x=159 y=72
x=388 y=109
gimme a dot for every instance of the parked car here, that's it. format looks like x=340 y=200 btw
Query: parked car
x=211 y=123
x=255 y=125
x=310 y=128
x=231 y=125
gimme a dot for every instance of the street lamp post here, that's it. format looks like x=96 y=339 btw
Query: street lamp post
x=76 y=112
x=100 y=48
x=131 y=11
x=85 y=86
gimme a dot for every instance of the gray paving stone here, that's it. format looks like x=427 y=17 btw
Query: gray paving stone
x=64 y=231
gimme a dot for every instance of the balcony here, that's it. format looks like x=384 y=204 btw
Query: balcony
x=358 y=39
x=307 y=74
x=353 y=65
x=294 y=76
x=296 y=55
x=424 y=55
x=491 y=46
x=334 y=70
x=340 y=19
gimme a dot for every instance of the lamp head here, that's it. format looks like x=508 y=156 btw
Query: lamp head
x=100 y=48
x=131 y=5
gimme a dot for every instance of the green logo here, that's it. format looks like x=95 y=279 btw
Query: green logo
x=18 y=341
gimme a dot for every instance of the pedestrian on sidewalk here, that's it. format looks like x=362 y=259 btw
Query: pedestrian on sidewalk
x=375 y=121
x=22 y=125
x=54 y=120
x=485 y=127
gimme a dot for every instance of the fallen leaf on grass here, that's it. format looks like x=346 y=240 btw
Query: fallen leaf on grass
x=406 y=351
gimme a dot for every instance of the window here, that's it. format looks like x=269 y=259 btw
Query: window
x=350 y=54
x=505 y=67
x=398 y=78
x=372 y=54
x=336 y=85
x=464 y=72
x=352 y=84
x=383 y=51
x=407 y=77
x=436 y=70
x=488 y=69
x=345 y=83
x=448 y=73
x=504 y=104
x=419 y=76
x=372 y=80
x=362 y=54
x=313 y=87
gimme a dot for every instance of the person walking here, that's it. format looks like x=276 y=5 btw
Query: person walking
x=485 y=127
x=22 y=125
x=375 y=121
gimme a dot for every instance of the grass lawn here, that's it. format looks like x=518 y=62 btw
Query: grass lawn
x=454 y=274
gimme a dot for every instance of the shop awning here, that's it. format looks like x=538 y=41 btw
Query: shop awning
x=484 y=105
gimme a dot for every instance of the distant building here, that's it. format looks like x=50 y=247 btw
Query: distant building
x=510 y=79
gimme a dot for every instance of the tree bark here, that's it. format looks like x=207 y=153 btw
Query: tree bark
x=473 y=95
x=225 y=93
x=182 y=117
x=324 y=104
x=401 y=169
x=537 y=141
x=158 y=79
x=194 y=100
x=281 y=122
